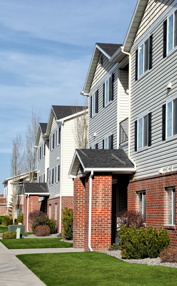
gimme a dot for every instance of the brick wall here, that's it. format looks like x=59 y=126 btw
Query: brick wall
x=53 y=202
x=33 y=205
x=155 y=199
x=101 y=212
x=3 y=209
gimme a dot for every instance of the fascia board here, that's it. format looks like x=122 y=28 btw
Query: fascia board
x=72 y=164
x=102 y=51
x=88 y=73
x=72 y=116
x=116 y=54
x=51 y=115
x=130 y=170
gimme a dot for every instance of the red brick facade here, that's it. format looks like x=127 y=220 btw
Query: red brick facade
x=155 y=188
x=101 y=212
x=3 y=205
x=53 y=210
x=33 y=205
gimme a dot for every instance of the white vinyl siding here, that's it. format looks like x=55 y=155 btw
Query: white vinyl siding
x=152 y=11
x=150 y=93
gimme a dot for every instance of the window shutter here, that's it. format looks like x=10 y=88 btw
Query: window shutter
x=59 y=135
x=136 y=65
x=103 y=94
x=164 y=38
x=96 y=101
x=53 y=140
x=96 y=146
x=136 y=135
x=56 y=137
x=103 y=143
x=110 y=88
x=91 y=107
x=44 y=148
x=111 y=142
x=149 y=128
x=163 y=121
x=175 y=28
x=58 y=173
x=150 y=52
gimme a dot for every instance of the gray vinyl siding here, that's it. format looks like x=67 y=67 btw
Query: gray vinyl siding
x=149 y=94
x=105 y=121
x=101 y=71
x=54 y=162
x=41 y=162
x=153 y=10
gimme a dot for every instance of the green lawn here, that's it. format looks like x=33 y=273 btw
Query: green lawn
x=35 y=243
x=3 y=229
x=93 y=269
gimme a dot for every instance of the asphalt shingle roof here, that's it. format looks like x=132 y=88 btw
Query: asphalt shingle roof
x=109 y=49
x=103 y=158
x=62 y=111
x=43 y=127
x=35 y=188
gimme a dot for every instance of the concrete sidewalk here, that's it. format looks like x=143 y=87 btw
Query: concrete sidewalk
x=44 y=250
x=14 y=272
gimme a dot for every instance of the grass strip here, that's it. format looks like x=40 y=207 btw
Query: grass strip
x=94 y=269
x=3 y=229
x=25 y=243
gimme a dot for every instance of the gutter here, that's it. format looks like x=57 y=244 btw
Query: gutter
x=90 y=210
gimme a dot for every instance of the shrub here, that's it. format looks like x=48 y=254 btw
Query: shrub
x=169 y=255
x=52 y=224
x=9 y=235
x=67 y=222
x=114 y=246
x=1 y=219
x=129 y=218
x=41 y=220
x=142 y=243
x=8 y=220
x=20 y=218
x=35 y=214
x=42 y=230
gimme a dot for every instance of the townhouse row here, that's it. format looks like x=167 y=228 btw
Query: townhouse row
x=132 y=95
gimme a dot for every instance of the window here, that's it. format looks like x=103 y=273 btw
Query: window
x=143 y=58
x=47 y=174
x=51 y=143
x=108 y=90
x=108 y=142
x=44 y=144
x=169 y=119
x=143 y=131
x=59 y=135
x=142 y=203
x=55 y=174
x=52 y=176
x=94 y=104
x=56 y=211
x=170 y=206
x=58 y=173
x=169 y=33
x=94 y=146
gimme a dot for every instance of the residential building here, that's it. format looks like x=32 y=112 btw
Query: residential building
x=3 y=205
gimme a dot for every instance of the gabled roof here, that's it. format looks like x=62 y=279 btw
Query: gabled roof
x=18 y=177
x=132 y=30
x=62 y=113
x=101 y=160
x=108 y=50
x=43 y=127
x=38 y=189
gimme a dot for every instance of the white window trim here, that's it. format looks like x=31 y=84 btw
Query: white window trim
x=143 y=202
x=107 y=137
x=142 y=115
x=173 y=219
x=143 y=43
x=173 y=136
x=168 y=16
x=93 y=144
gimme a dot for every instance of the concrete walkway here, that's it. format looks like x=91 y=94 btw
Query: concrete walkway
x=14 y=272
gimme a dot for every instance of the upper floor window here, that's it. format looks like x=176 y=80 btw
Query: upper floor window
x=169 y=119
x=108 y=142
x=58 y=135
x=170 y=206
x=94 y=146
x=143 y=58
x=94 y=104
x=169 y=33
x=143 y=131
x=108 y=90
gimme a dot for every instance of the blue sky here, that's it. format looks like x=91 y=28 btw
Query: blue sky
x=45 y=51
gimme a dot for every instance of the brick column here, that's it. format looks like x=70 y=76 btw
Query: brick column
x=33 y=205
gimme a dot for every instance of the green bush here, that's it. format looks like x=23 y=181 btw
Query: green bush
x=52 y=224
x=114 y=246
x=67 y=222
x=142 y=243
x=9 y=235
x=20 y=218
x=8 y=220
x=1 y=219
x=44 y=220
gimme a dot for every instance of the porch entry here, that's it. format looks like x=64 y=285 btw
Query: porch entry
x=119 y=200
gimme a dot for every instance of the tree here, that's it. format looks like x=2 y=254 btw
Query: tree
x=31 y=135
x=81 y=129
x=16 y=159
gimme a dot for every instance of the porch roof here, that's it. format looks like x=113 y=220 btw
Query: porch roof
x=36 y=189
x=101 y=160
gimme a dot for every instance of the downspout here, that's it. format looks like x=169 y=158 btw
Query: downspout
x=122 y=50
x=27 y=211
x=90 y=211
